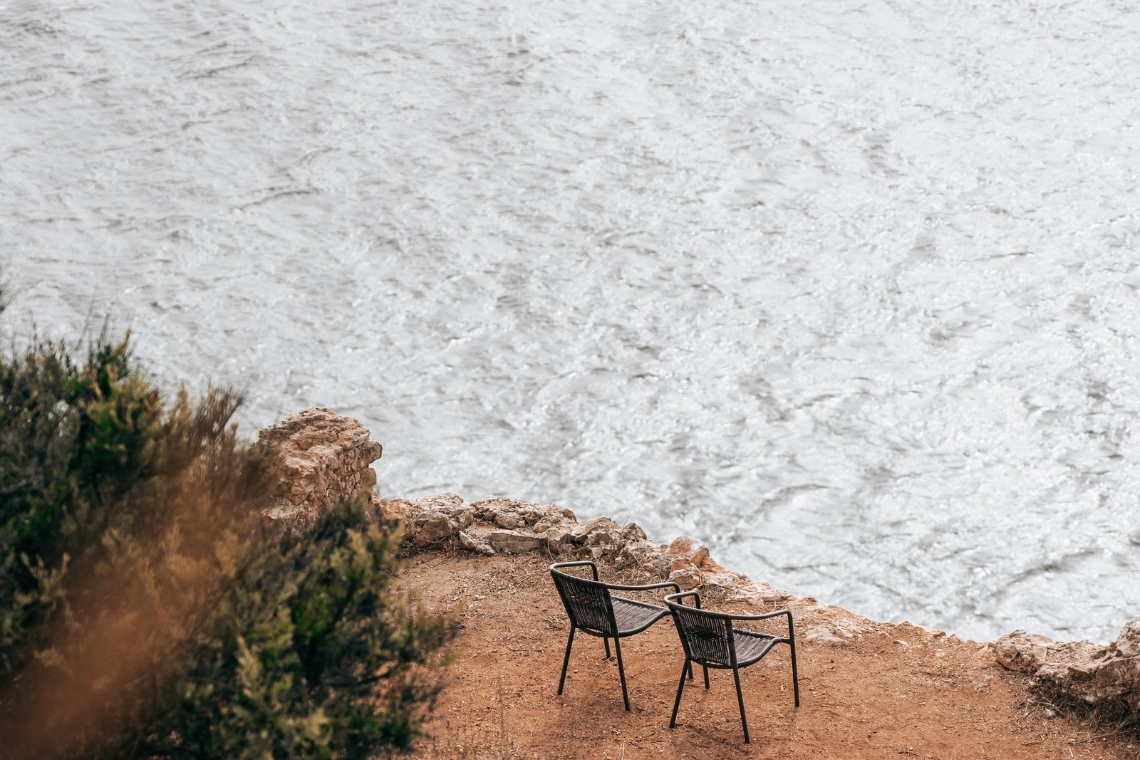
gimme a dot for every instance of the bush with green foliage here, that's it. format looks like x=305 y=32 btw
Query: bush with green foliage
x=147 y=610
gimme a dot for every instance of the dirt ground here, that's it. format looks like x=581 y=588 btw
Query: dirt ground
x=888 y=692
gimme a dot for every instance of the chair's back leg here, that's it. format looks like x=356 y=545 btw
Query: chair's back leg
x=706 y=667
x=566 y=660
x=795 y=674
x=680 y=688
x=606 y=641
x=740 y=699
x=690 y=671
x=621 y=672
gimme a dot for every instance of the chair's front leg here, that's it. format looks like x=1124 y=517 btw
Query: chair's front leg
x=680 y=688
x=740 y=699
x=566 y=660
x=621 y=672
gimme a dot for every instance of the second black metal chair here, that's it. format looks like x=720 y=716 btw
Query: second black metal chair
x=593 y=610
x=710 y=639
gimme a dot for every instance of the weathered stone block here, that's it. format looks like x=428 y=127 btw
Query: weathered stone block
x=472 y=542
x=513 y=542
x=435 y=530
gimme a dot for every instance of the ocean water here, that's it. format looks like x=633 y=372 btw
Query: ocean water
x=846 y=289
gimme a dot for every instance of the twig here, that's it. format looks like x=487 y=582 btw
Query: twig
x=1098 y=736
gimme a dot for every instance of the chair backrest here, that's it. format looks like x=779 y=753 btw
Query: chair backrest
x=587 y=603
x=706 y=636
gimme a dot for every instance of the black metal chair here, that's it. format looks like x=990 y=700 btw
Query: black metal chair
x=593 y=610
x=710 y=639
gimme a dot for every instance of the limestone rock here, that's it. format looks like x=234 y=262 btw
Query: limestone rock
x=394 y=509
x=685 y=551
x=558 y=537
x=601 y=531
x=687 y=577
x=647 y=555
x=508 y=513
x=474 y=543
x=439 y=502
x=632 y=532
x=435 y=529
x=1128 y=642
x=513 y=542
x=1022 y=651
x=1108 y=675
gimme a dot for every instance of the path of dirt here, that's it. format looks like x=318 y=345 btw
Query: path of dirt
x=888 y=692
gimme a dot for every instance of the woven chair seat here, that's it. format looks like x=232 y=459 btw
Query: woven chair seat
x=634 y=617
x=751 y=646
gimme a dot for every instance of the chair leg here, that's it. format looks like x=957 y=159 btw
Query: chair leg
x=690 y=666
x=680 y=688
x=706 y=667
x=740 y=699
x=621 y=672
x=566 y=660
x=795 y=675
x=606 y=641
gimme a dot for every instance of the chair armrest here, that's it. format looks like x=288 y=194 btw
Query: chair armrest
x=774 y=613
x=650 y=587
x=580 y=563
x=676 y=598
x=765 y=616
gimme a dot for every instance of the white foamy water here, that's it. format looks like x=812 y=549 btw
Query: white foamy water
x=846 y=289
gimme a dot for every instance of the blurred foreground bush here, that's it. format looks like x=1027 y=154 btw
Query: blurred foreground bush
x=148 y=611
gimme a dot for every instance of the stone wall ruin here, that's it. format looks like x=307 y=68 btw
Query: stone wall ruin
x=322 y=457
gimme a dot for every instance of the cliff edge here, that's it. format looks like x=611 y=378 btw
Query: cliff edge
x=871 y=689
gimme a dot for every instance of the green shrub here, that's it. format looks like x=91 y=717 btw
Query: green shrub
x=148 y=610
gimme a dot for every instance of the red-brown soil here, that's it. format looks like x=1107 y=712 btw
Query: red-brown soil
x=891 y=692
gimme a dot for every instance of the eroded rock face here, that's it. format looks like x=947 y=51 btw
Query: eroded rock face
x=1096 y=674
x=322 y=457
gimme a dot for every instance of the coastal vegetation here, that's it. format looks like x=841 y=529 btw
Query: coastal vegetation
x=148 y=610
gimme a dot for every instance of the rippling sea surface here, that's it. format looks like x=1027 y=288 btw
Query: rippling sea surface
x=846 y=289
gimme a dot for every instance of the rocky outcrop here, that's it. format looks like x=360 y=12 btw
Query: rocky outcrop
x=321 y=457
x=1098 y=675
x=497 y=525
